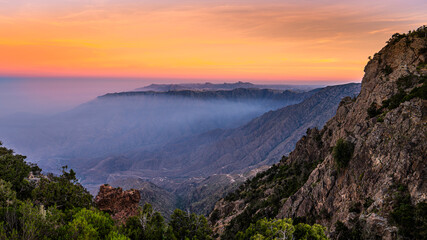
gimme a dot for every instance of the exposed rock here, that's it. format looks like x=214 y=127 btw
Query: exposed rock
x=120 y=204
x=389 y=149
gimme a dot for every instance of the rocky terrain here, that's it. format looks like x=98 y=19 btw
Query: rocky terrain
x=363 y=175
x=199 y=170
x=118 y=203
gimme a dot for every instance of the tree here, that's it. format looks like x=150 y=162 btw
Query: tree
x=282 y=229
x=64 y=192
x=7 y=195
x=148 y=224
x=90 y=224
x=342 y=153
x=189 y=226
x=14 y=169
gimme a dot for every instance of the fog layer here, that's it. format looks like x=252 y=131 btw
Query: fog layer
x=118 y=123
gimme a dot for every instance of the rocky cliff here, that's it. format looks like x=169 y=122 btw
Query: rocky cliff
x=120 y=204
x=364 y=174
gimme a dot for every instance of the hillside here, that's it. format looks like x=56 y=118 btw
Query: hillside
x=363 y=174
x=202 y=168
x=124 y=122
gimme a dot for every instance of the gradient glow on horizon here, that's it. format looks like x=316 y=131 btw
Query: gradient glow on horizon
x=253 y=40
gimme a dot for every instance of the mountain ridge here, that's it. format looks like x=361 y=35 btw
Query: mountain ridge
x=363 y=174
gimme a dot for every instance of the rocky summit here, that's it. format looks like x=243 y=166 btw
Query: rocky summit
x=363 y=175
x=120 y=204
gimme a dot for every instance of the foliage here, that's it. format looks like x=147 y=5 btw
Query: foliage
x=189 y=226
x=116 y=236
x=282 y=229
x=59 y=207
x=342 y=153
x=7 y=195
x=14 y=169
x=373 y=110
x=63 y=191
x=342 y=232
x=148 y=224
x=89 y=224
x=285 y=179
x=410 y=219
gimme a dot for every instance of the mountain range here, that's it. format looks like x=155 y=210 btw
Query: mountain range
x=225 y=86
x=218 y=160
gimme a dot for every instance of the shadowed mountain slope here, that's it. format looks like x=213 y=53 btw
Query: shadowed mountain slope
x=363 y=174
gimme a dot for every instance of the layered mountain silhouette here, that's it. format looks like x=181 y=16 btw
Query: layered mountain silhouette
x=184 y=166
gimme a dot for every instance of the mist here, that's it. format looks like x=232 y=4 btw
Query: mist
x=115 y=124
x=50 y=95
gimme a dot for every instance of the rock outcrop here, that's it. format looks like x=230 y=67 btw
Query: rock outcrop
x=386 y=125
x=120 y=204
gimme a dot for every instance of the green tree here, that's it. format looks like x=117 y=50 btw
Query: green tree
x=189 y=226
x=14 y=169
x=116 y=236
x=282 y=229
x=342 y=153
x=90 y=224
x=7 y=195
x=64 y=192
x=148 y=224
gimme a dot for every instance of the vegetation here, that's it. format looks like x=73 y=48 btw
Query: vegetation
x=63 y=191
x=342 y=153
x=342 y=232
x=409 y=218
x=282 y=229
x=404 y=84
x=59 y=207
x=284 y=180
x=421 y=32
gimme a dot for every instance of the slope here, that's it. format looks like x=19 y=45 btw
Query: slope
x=363 y=174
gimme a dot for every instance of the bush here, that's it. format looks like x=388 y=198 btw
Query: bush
x=90 y=224
x=14 y=169
x=373 y=110
x=148 y=224
x=189 y=226
x=342 y=153
x=410 y=219
x=64 y=192
x=282 y=229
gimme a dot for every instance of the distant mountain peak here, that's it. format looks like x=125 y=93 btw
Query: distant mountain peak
x=208 y=86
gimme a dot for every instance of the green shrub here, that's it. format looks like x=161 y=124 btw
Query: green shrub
x=14 y=169
x=373 y=110
x=410 y=219
x=342 y=153
x=282 y=229
x=63 y=191
x=189 y=226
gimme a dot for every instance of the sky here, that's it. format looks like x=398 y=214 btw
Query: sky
x=262 y=41
x=253 y=39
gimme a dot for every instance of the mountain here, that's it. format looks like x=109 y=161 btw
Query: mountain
x=200 y=169
x=224 y=86
x=363 y=175
x=118 y=123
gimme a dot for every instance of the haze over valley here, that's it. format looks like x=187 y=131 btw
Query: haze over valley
x=202 y=120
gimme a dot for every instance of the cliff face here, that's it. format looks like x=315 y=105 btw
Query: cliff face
x=120 y=204
x=386 y=129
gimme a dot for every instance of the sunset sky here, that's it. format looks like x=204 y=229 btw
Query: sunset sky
x=259 y=40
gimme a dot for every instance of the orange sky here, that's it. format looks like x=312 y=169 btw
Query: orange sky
x=254 y=40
